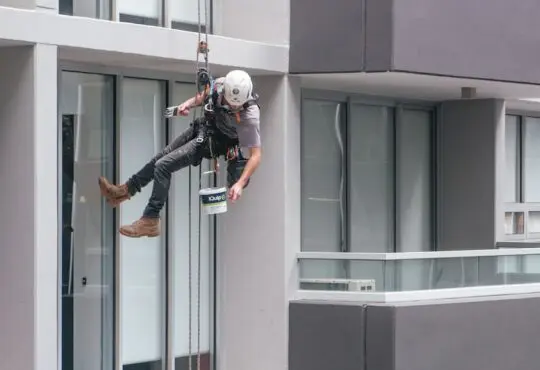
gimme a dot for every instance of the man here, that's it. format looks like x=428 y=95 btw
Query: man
x=234 y=120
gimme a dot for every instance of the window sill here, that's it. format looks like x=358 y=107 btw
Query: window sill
x=531 y=243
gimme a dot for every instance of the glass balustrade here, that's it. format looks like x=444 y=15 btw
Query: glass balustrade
x=402 y=272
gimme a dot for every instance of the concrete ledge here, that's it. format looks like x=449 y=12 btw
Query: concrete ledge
x=126 y=42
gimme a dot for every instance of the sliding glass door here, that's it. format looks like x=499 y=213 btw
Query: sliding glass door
x=125 y=302
x=142 y=260
x=87 y=249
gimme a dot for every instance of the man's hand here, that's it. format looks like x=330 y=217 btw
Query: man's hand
x=179 y=110
x=235 y=192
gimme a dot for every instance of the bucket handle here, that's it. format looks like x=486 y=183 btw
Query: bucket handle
x=206 y=173
x=215 y=170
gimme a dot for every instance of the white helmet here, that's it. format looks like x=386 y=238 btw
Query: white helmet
x=237 y=87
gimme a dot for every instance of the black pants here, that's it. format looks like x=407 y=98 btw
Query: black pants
x=188 y=149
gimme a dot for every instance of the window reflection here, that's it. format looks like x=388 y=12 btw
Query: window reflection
x=87 y=248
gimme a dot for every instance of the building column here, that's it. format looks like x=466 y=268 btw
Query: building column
x=46 y=205
x=28 y=169
x=471 y=150
x=258 y=239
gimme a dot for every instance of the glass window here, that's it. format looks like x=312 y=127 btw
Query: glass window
x=514 y=223
x=142 y=260
x=413 y=165
x=371 y=178
x=100 y=9
x=531 y=159
x=534 y=223
x=185 y=201
x=87 y=242
x=323 y=186
x=511 y=177
x=366 y=178
x=185 y=14
x=148 y=12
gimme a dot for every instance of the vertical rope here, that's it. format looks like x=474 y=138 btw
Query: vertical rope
x=197 y=82
x=190 y=365
x=200 y=175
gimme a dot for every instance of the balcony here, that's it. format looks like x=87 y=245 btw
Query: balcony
x=475 y=309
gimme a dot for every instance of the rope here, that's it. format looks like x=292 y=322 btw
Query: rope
x=206 y=22
x=197 y=82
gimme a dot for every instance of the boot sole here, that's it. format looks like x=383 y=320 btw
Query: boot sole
x=115 y=202
x=148 y=235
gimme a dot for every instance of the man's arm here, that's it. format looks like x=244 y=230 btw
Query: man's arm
x=195 y=101
x=183 y=109
x=251 y=165
x=253 y=162
x=248 y=137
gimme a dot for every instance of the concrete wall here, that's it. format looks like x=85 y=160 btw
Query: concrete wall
x=259 y=21
x=492 y=39
x=469 y=334
x=28 y=162
x=469 y=138
x=320 y=43
x=488 y=39
x=17 y=252
x=257 y=241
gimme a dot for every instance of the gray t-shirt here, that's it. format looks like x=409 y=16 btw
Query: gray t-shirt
x=247 y=130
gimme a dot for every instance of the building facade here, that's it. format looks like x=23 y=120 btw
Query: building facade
x=391 y=129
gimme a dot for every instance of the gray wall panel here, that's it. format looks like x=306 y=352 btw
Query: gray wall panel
x=326 y=36
x=380 y=322
x=378 y=39
x=494 y=335
x=323 y=337
x=491 y=39
x=486 y=39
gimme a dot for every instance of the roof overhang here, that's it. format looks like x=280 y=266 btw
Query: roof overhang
x=413 y=86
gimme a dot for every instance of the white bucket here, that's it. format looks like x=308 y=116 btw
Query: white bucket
x=213 y=200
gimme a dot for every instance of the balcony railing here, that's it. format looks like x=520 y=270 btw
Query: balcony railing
x=385 y=277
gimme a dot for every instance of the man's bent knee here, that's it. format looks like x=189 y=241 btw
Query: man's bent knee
x=162 y=167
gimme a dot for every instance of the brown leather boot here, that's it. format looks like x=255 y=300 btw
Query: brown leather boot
x=115 y=194
x=115 y=202
x=143 y=227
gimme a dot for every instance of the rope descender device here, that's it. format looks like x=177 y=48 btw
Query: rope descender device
x=203 y=48
x=203 y=80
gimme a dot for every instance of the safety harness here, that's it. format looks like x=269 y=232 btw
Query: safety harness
x=212 y=109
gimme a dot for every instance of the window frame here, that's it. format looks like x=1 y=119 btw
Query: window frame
x=521 y=205
x=397 y=106
x=164 y=19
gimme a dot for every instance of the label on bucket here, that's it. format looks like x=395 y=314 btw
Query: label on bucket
x=213 y=199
